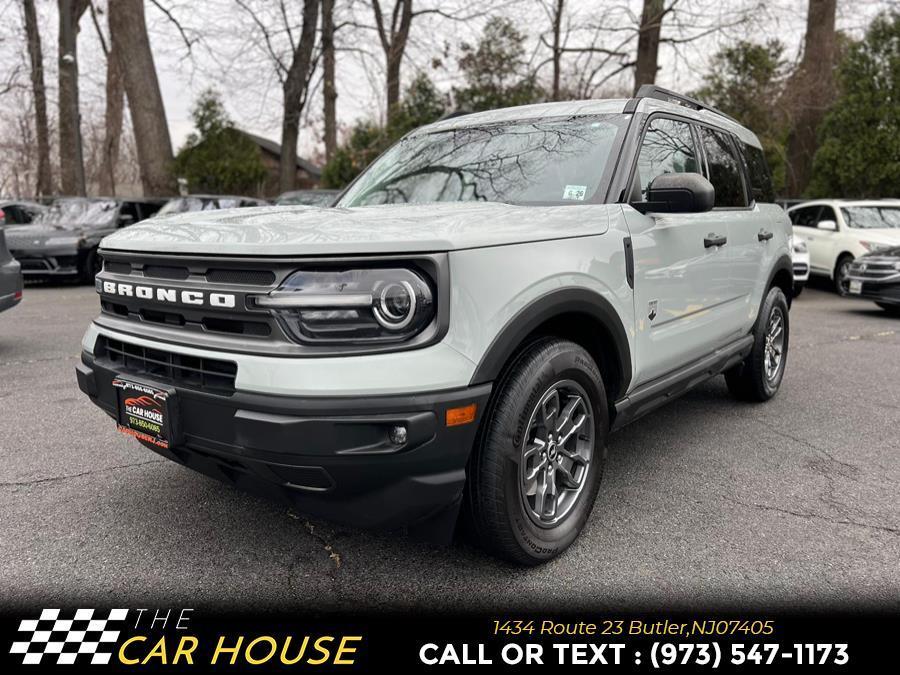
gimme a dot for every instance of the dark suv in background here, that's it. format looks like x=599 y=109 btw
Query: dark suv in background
x=62 y=241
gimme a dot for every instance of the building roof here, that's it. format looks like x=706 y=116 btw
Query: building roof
x=275 y=149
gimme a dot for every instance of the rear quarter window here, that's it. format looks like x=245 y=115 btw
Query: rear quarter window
x=760 y=177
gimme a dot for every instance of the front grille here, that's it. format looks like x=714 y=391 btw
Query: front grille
x=248 y=277
x=35 y=264
x=191 y=372
x=801 y=268
x=166 y=272
x=874 y=268
x=117 y=267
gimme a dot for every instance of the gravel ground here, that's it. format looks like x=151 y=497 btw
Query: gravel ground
x=707 y=503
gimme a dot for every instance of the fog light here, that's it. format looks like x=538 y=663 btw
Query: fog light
x=398 y=435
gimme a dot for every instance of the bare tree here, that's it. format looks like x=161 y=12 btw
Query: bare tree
x=811 y=90
x=648 y=42
x=42 y=129
x=71 y=160
x=148 y=115
x=329 y=91
x=393 y=37
x=115 y=109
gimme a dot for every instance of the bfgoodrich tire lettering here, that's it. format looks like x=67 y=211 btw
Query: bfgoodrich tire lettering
x=498 y=505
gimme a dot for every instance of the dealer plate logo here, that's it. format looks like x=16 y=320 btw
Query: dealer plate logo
x=87 y=636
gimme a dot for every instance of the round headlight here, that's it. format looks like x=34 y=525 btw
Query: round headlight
x=396 y=305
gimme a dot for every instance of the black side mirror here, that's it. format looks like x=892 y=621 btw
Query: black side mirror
x=678 y=193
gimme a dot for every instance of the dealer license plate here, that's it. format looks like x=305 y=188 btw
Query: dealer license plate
x=855 y=287
x=144 y=411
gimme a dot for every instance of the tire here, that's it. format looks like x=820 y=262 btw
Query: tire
x=507 y=519
x=841 y=269
x=893 y=310
x=754 y=379
x=798 y=289
x=92 y=266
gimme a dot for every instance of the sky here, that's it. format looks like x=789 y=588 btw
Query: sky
x=229 y=56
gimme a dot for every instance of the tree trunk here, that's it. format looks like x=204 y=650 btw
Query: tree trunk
x=648 y=43
x=44 y=184
x=393 y=38
x=115 y=108
x=812 y=92
x=148 y=115
x=329 y=93
x=557 y=50
x=71 y=161
x=295 y=88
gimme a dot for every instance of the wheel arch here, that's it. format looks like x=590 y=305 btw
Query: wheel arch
x=580 y=315
x=782 y=276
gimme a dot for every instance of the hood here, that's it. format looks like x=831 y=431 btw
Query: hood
x=306 y=230
x=891 y=252
x=39 y=235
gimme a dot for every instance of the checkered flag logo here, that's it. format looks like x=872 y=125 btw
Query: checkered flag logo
x=65 y=640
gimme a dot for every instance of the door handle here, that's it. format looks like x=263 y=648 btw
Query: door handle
x=714 y=240
x=764 y=236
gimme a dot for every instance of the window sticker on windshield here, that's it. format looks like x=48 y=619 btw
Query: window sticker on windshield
x=576 y=192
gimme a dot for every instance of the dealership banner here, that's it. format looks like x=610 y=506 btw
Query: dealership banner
x=184 y=639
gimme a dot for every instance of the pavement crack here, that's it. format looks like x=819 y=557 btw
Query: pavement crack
x=52 y=479
x=324 y=542
x=815 y=516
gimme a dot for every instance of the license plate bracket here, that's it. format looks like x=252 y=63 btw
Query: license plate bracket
x=147 y=411
x=855 y=286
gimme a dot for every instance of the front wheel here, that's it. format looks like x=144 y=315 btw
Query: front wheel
x=759 y=376
x=92 y=266
x=534 y=476
x=842 y=274
x=798 y=288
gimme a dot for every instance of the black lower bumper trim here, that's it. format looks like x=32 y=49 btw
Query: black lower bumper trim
x=328 y=457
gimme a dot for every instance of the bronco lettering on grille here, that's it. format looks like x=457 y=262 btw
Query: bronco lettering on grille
x=173 y=295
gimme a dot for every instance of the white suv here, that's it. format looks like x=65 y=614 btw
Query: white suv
x=837 y=231
x=487 y=302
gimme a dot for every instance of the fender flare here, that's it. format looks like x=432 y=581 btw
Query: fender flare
x=556 y=303
x=785 y=263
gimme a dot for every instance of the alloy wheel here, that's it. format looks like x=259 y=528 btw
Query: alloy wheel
x=556 y=453
x=774 y=344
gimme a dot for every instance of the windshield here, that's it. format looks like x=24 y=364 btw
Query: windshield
x=871 y=217
x=534 y=162
x=70 y=213
x=185 y=204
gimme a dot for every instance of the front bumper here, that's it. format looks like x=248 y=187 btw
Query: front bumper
x=330 y=457
x=50 y=262
x=885 y=291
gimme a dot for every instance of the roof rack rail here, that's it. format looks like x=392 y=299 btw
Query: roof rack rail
x=661 y=94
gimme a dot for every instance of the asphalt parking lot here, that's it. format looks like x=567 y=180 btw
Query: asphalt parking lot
x=706 y=503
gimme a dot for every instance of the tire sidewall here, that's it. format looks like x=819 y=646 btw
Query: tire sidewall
x=775 y=298
x=545 y=543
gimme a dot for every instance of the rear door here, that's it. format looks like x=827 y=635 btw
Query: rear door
x=744 y=222
x=681 y=282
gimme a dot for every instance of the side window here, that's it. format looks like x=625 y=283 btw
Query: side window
x=724 y=168
x=827 y=214
x=668 y=147
x=808 y=216
x=760 y=177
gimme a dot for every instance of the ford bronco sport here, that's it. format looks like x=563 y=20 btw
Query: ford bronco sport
x=486 y=303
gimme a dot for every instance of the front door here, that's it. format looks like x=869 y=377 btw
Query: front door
x=681 y=279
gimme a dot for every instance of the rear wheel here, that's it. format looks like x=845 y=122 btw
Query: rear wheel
x=759 y=376
x=534 y=476
x=842 y=274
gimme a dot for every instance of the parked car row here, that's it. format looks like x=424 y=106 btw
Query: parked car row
x=853 y=243
x=61 y=240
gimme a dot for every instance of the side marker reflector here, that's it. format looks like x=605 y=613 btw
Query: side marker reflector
x=463 y=415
